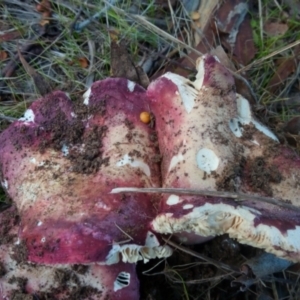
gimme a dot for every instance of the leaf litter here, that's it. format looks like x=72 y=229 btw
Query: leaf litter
x=68 y=45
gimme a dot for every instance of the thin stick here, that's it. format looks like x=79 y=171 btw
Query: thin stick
x=261 y=22
x=143 y=21
x=216 y=263
x=258 y=61
x=232 y=195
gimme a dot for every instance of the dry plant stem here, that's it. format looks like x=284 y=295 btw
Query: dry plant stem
x=150 y=26
x=232 y=195
x=259 y=61
x=216 y=263
x=7 y=118
x=260 y=21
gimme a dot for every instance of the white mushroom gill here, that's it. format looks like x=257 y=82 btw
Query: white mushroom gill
x=130 y=85
x=151 y=240
x=136 y=163
x=239 y=222
x=28 y=116
x=86 y=96
x=132 y=253
x=122 y=281
x=207 y=160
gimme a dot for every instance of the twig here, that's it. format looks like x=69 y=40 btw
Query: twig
x=80 y=26
x=7 y=118
x=216 y=263
x=142 y=20
x=198 y=192
x=258 y=61
x=260 y=21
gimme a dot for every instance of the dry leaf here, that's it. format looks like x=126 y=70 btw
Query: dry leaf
x=8 y=36
x=121 y=64
x=44 y=6
x=84 y=63
x=285 y=67
x=232 y=20
x=275 y=28
x=3 y=55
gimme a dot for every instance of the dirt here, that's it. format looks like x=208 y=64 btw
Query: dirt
x=19 y=252
x=260 y=176
x=230 y=178
x=63 y=132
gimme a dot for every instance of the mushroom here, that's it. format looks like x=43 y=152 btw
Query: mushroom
x=59 y=162
x=210 y=140
x=22 y=280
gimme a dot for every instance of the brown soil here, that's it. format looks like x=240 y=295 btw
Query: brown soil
x=260 y=176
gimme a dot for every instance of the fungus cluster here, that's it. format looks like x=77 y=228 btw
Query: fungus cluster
x=60 y=162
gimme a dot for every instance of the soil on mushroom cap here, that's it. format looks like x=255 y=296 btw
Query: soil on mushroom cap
x=261 y=176
x=63 y=132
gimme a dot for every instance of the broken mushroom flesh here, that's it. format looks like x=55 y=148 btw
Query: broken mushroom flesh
x=210 y=140
x=20 y=279
x=59 y=163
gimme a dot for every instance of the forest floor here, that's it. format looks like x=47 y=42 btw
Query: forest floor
x=67 y=45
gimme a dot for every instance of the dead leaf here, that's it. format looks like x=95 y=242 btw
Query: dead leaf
x=3 y=55
x=40 y=83
x=122 y=64
x=84 y=63
x=232 y=20
x=241 y=84
x=258 y=268
x=44 y=6
x=275 y=28
x=8 y=36
x=223 y=57
x=286 y=67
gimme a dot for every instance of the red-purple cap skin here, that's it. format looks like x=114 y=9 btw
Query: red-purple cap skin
x=60 y=164
x=62 y=282
x=210 y=140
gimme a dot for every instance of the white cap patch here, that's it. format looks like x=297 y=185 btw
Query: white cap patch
x=207 y=160
x=245 y=117
x=175 y=160
x=188 y=206
x=4 y=184
x=65 y=150
x=136 y=163
x=173 y=200
x=186 y=90
x=28 y=116
x=130 y=85
x=122 y=281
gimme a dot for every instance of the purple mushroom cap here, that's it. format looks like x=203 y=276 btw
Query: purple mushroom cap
x=210 y=140
x=61 y=160
x=20 y=279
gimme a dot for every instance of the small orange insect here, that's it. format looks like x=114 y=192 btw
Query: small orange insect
x=147 y=118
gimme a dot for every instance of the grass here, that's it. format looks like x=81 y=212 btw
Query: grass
x=150 y=32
